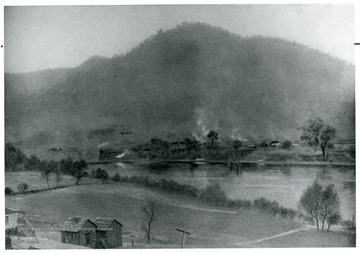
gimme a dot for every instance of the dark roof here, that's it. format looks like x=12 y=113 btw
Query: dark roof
x=12 y=210
x=74 y=224
x=105 y=222
x=178 y=142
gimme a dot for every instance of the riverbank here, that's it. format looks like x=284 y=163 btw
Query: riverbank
x=244 y=162
x=297 y=156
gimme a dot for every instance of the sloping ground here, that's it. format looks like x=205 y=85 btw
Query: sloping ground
x=210 y=227
x=310 y=238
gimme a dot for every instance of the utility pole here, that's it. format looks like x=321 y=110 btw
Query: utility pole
x=183 y=237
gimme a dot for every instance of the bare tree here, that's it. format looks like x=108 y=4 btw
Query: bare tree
x=151 y=213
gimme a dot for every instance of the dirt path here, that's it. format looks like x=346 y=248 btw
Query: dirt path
x=304 y=228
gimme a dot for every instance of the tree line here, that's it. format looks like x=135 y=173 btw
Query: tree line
x=16 y=160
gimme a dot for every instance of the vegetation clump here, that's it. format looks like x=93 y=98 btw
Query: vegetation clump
x=22 y=187
x=8 y=190
x=322 y=204
x=212 y=195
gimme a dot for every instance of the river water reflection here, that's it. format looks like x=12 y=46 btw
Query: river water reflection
x=284 y=184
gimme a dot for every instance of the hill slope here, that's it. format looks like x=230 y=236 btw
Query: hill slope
x=182 y=82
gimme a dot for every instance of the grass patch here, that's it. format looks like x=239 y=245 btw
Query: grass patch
x=123 y=201
x=36 y=182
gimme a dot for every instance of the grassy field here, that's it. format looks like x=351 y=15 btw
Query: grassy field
x=309 y=238
x=37 y=182
x=210 y=227
x=301 y=154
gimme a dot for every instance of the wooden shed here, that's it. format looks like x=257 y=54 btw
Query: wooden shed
x=79 y=231
x=109 y=232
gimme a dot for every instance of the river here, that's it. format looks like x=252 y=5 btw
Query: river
x=284 y=184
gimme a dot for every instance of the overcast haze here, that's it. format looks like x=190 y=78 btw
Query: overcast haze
x=52 y=37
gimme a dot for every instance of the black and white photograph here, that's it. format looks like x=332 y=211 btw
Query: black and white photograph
x=179 y=126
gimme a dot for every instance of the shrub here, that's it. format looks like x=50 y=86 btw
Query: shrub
x=22 y=187
x=8 y=190
x=348 y=224
x=116 y=177
x=92 y=174
x=213 y=195
x=286 y=144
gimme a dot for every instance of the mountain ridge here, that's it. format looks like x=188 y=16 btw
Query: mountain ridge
x=186 y=81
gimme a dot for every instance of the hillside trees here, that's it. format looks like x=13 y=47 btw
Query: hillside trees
x=317 y=133
x=322 y=204
x=213 y=136
x=191 y=145
x=14 y=157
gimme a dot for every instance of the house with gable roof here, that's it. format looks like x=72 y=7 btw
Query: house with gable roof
x=79 y=231
x=109 y=232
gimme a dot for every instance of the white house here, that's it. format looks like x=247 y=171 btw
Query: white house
x=12 y=218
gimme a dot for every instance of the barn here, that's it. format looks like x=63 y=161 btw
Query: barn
x=109 y=232
x=79 y=231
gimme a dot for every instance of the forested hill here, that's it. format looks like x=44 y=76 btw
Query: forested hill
x=182 y=82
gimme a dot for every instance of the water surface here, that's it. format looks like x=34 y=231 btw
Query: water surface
x=284 y=184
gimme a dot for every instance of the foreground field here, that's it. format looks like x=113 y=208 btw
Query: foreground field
x=308 y=238
x=210 y=227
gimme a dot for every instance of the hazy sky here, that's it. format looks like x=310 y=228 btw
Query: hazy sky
x=50 y=37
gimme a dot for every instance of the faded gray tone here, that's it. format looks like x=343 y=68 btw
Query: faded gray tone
x=179 y=83
x=52 y=37
x=208 y=119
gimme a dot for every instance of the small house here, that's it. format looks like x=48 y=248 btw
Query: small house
x=12 y=219
x=274 y=144
x=79 y=231
x=296 y=144
x=109 y=232
x=55 y=150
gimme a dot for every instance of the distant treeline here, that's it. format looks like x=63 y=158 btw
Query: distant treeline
x=16 y=160
x=212 y=195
